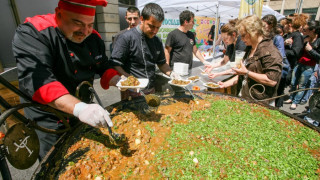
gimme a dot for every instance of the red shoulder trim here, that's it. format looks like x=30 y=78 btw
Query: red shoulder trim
x=106 y=77
x=41 y=22
x=49 y=92
x=96 y=32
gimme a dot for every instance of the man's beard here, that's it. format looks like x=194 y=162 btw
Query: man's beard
x=75 y=40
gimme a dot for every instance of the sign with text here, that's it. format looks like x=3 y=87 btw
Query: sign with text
x=201 y=27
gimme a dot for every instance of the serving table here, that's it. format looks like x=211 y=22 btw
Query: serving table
x=196 y=70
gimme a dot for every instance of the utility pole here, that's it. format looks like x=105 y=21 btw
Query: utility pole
x=300 y=7
x=216 y=29
x=282 y=7
x=318 y=13
x=268 y=1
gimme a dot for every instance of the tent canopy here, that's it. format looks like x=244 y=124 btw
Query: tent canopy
x=228 y=9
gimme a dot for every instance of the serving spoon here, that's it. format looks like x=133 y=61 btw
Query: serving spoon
x=151 y=99
x=117 y=139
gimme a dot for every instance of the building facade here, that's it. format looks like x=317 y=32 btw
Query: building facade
x=311 y=7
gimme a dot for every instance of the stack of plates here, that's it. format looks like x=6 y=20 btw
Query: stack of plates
x=181 y=68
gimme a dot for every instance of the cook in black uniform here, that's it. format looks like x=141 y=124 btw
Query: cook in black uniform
x=138 y=50
x=54 y=54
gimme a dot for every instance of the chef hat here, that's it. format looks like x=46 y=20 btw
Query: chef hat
x=86 y=7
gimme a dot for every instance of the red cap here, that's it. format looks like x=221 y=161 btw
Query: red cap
x=86 y=7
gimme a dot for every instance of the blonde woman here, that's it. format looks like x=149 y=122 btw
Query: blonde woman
x=260 y=72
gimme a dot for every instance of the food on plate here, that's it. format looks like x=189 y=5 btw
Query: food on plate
x=213 y=85
x=130 y=81
x=196 y=88
x=194 y=78
x=180 y=82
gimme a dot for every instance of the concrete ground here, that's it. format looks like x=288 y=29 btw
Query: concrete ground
x=109 y=97
x=286 y=107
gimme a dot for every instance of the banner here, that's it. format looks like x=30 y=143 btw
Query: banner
x=201 y=27
x=250 y=7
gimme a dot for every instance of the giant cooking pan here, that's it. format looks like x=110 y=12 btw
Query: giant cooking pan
x=54 y=158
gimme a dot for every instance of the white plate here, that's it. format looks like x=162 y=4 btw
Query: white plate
x=143 y=83
x=204 y=74
x=193 y=80
x=170 y=82
x=206 y=85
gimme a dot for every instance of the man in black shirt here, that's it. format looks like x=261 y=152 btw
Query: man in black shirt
x=138 y=50
x=133 y=20
x=54 y=54
x=181 y=44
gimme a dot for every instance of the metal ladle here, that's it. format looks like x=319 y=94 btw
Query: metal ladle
x=151 y=99
x=117 y=139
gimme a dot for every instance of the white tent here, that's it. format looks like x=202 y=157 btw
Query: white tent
x=227 y=9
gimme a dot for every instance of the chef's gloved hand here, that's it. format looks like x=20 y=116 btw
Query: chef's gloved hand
x=92 y=114
x=175 y=75
x=206 y=63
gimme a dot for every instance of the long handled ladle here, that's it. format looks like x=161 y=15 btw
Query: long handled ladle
x=151 y=99
x=118 y=139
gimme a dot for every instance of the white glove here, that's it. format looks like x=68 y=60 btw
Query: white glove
x=175 y=75
x=206 y=63
x=92 y=114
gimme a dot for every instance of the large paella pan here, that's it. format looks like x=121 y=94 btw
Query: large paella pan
x=218 y=137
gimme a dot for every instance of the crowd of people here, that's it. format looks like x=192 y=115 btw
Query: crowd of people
x=57 y=52
x=278 y=54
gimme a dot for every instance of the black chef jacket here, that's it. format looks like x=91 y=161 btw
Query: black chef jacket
x=50 y=66
x=138 y=54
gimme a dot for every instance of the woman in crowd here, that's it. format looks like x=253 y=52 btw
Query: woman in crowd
x=293 y=38
x=260 y=72
x=270 y=25
x=233 y=41
x=306 y=63
x=279 y=30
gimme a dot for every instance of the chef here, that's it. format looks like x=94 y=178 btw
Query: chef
x=54 y=54
x=138 y=50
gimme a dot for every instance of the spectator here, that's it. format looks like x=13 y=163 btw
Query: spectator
x=307 y=61
x=132 y=18
x=293 y=39
x=180 y=44
x=230 y=37
x=270 y=24
x=279 y=30
x=211 y=34
x=260 y=71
